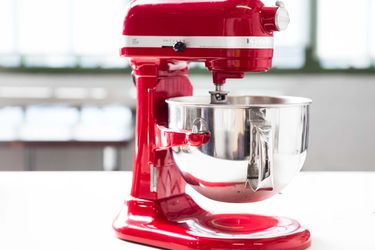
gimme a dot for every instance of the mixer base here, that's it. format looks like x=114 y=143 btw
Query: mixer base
x=179 y=223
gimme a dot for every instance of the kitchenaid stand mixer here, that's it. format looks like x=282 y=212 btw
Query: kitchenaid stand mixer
x=231 y=37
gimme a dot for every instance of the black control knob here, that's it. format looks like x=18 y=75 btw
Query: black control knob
x=179 y=46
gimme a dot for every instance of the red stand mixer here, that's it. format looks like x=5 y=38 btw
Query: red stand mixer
x=231 y=149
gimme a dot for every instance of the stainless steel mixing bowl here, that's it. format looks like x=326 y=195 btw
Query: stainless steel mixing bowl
x=257 y=144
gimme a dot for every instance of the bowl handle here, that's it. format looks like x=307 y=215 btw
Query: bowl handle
x=167 y=138
x=259 y=170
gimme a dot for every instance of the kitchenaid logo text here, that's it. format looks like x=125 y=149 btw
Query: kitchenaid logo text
x=135 y=41
x=172 y=41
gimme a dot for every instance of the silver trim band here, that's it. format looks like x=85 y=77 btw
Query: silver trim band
x=219 y=42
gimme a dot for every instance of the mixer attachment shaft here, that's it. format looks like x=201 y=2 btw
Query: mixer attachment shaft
x=219 y=96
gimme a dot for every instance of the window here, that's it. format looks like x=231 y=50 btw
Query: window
x=87 y=34
x=8 y=37
x=61 y=33
x=346 y=33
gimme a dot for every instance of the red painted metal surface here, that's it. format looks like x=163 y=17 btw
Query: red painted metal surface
x=199 y=18
x=204 y=18
x=155 y=83
x=179 y=223
x=159 y=213
x=223 y=63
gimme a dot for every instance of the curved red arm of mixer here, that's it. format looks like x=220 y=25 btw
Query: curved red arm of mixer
x=166 y=138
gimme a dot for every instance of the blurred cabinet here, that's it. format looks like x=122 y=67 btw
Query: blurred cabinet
x=66 y=137
x=65 y=156
x=12 y=159
x=66 y=159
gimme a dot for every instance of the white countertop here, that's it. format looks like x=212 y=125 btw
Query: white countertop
x=74 y=210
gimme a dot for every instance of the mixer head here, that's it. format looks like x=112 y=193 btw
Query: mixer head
x=231 y=37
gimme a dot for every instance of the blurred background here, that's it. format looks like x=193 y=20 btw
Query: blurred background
x=67 y=101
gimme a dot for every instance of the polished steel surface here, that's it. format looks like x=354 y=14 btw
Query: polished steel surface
x=218 y=96
x=257 y=144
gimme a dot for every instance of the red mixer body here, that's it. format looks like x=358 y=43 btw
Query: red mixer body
x=231 y=37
